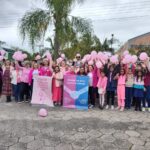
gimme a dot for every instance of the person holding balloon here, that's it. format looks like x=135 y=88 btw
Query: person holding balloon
x=121 y=77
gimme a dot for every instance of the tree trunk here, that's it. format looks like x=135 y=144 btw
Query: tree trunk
x=56 y=38
x=56 y=46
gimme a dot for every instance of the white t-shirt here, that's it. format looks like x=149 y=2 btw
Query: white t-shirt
x=35 y=73
x=90 y=75
x=15 y=77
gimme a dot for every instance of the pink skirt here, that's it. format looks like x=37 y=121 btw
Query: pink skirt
x=56 y=92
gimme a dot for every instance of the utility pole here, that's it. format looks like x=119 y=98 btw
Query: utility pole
x=112 y=41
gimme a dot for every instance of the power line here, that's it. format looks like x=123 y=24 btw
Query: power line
x=100 y=13
x=110 y=19
x=115 y=9
x=121 y=4
x=122 y=18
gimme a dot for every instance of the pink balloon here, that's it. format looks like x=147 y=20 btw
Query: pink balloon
x=88 y=57
x=93 y=57
x=42 y=112
x=59 y=60
x=100 y=54
x=38 y=57
x=90 y=62
x=126 y=53
x=114 y=59
x=63 y=56
x=18 y=56
x=105 y=57
x=128 y=58
x=134 y=59
x=124 y=61
x=25 y=56
x=143 y=56
x=1 y=58
x=48 y=55
x=2 y=52
x=99 y=64
x=83 y=60
x=93 y=53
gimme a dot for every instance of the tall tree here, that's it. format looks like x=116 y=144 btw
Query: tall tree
x=67 y=28
x=84 y=45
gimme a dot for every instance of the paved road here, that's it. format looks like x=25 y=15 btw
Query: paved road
x=64 y=129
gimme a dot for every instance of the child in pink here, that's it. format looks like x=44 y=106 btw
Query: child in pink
x=57 y=86
x=121 y=89
x=102 y=83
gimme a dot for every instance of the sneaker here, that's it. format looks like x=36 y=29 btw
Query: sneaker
x=112 y=107
x=122 y=109
x=101 y=107
x=143 y=109
x=107 y=107
x=59 y=104
x=91 y=106
x=118 y=108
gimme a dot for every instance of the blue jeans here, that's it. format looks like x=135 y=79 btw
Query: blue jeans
x=16 y=91
x=146 y=97
x=129 y=96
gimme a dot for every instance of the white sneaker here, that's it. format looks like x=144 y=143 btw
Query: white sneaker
x=91 y=106
x=122 y=109
x=112 y=107
x=143 y=109
x=107 y=107
x=118 y=108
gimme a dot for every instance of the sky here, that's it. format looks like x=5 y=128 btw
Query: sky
x=123 y=18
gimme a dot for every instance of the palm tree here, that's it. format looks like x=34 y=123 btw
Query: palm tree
x=2 y=43
x=67 y=28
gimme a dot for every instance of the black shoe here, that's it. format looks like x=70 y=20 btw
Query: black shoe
x=8 y=101
x=100 y=107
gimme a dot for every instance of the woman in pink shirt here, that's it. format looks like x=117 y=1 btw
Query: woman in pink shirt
x=25 y=89
x=35 y=71
x=121 y=89
x=71 y=71
x=46 y=69
x=102 y=83
x=93 y=79
x=57 y=87
x=63 y=67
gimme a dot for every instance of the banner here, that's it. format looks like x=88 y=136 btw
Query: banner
x=42 y=93
x=75 y=93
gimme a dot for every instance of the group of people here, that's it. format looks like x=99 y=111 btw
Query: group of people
x=129 y=82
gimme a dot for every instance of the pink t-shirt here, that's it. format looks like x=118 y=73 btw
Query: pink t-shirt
x=25 y=75
x=122 y=80
x=46 y=71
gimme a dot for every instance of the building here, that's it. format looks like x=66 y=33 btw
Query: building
x=136 y=43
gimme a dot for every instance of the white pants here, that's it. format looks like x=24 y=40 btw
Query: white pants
x=101 y=99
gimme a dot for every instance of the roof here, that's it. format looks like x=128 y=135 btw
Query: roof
x=148 y=33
